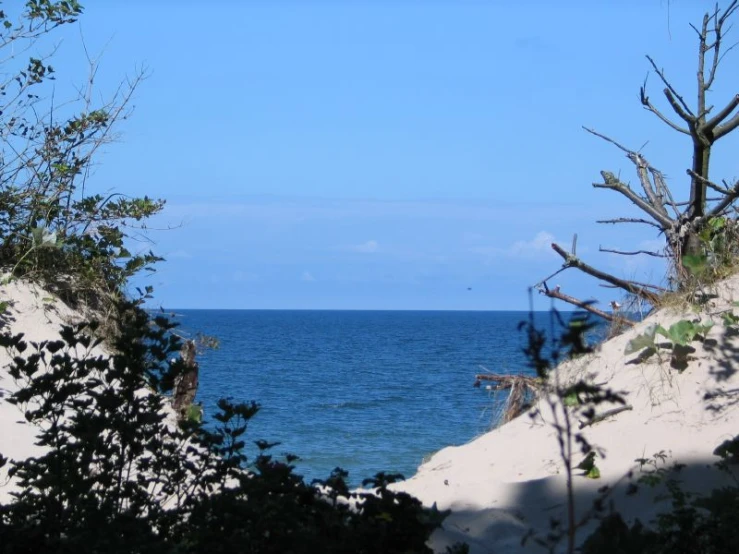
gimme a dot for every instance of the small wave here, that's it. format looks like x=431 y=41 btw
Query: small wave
x=358 y=404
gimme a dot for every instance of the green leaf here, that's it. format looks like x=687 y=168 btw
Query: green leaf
x=645 y=340
x=729 y=319
x=717 y=223
x=682 y=332
x=594 y=473
x=695 y=264
x=588 y=462
x=43 y=237
x=571 y=400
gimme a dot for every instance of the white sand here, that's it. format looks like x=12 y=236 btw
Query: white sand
x=512 y=480
x=39 y=316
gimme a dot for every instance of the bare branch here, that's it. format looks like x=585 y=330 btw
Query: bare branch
x=650 y=107
x=686 y=115
x=588 y=306
x=607 y=139
x=605 y=415
x=572 y=261
x=633 y=253
x=643 y=168
x=682 y=109
x=629 y=220
x=645 y=285
x=731 y=195
x=723 y=114
x=716 y=46
x=727 y=127
x=663 y=190
x=611 y=182
x=708 y=183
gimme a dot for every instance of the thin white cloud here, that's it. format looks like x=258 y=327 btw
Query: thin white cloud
x=366 y=247
x=541 y=243
x=538 y=247
x=307 y=276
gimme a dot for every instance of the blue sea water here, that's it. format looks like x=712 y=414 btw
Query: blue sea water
x=367 y=391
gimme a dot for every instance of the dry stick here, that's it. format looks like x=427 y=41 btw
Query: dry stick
x=506 y=381
x=640 y=284
x=606 y=414
x=629 y=220
x=726 y=202
x=718 y=188
x=586 y=306
x=643 y=168
x=632 y=252
x=659 y=182
x=610 y=181
x=572 y=261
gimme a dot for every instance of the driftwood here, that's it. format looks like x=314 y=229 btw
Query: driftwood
x=600 y=417
x=519 y=386
x=186 y=385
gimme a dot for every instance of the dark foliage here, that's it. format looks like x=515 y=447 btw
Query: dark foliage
x=119 y=475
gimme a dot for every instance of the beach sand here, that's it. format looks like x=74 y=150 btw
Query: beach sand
x=512 y=480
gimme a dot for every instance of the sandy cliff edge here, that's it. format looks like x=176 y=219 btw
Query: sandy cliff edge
x=511 y=480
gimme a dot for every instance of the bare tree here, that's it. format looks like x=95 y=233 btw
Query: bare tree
x=680 y=223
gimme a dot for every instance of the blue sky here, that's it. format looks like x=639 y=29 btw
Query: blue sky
x=387 y=155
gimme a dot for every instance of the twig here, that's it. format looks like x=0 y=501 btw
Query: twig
x=600 y=417
x=588 y=306
x=633 y=253
x=611 y=182
x=708 y=183
x=629 y=220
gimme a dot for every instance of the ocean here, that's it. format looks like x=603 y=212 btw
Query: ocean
x=366 y=391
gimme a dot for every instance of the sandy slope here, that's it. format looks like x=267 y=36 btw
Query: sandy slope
x=511 y=480
x=39 y=316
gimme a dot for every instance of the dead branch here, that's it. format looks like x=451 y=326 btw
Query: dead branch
x=610 y=181
x=629 y=220
x=664 y=190
x=607 y=139
x=710 y=184
x=506 y=381
x=676 y=101
x=645 y=285
x=588 y=306
x=519 y=386
x=633 y=252
x=723 y=114
x=731 y=195
x=572 y=261
x=650 y=107
x=608 y=413
x=643 y=168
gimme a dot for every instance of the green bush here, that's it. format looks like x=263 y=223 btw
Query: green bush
x=119 y=476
